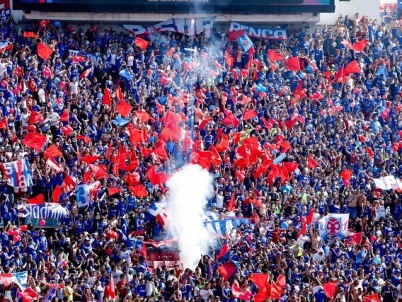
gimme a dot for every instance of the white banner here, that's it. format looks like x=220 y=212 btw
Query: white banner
x=388 y=183
x=260 y=32
x=334 y=225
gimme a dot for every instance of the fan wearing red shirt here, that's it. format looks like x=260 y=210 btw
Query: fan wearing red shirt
x=122 y=286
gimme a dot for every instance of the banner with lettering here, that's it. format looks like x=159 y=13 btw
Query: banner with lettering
x=260 y=32
x=187 y=26
x=335 y=225
x=18 y=172
x=223 y=227
x=43 y=211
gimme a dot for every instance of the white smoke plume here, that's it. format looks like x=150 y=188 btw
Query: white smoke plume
x=189 y=190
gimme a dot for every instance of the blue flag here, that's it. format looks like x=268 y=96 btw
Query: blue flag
x=382 y=70
x=126 y=74
x=120 y=122
x=21 y=279
x=245 y=42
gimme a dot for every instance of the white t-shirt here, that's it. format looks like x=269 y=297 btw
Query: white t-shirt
x=206 y=294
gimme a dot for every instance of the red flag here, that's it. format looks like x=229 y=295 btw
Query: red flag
x=156 y=178
x=227 y=270
x=141 y=43
x=86 y=139
x=237 y=292
x=35 y=117
x=52 y=151
x=124 y=108
x=3 y=123
x=230 y=119
x=235 y=34
x=100 y=171
x=34 y=140
x=90 y=159
x=347 y=44
x=64 y=116
x=281 y=281
x=356 y=238
x=85 y=73
x=56 y=194
x=139 y=191
x=303 y=229
x=274 y=56
x=225 y=248
x=39 y=199
x=290 y=166
x=68 y=183
x=28 y=295
x=292 y=64
x=143 y=117
x=346 y=174
x=112 y=191
x=110 y=291
x=360 y=45
x=204 y=123
x=353 y=67
x=312 y=163
x=67 y=130
x=372 y=298
x=44 y=51
x=231 y=205
x=143 y=251
x=249 y=114
x=260 y=280
x=310 y=216
x=106 y=97
x=29 y=34
x=229 y=59
x=79 y=59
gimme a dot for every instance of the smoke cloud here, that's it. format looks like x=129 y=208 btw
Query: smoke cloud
x=189 y=190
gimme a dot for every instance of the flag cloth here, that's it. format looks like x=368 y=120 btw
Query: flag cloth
x=51 y=162
x=292 y=64
x=329 y=289
x=44 y=51
x=139 y=191
x=312 y=163
x=64 y=116
x=106 y=97
x=274 y=56
x=237 y=292
x=18 y=172
x=227 y=270
x=21 y=279
x=352 y=67
x=35 y=117
x=382 y=70
x=39 y=199
x=235 y=34
x=372 y=298
x=356 y=238
x=110 y=291
x=231 y=205
x=34 y=140
x=124 y=108
x=360 y=45
x=224 y=249
x=249 y=114
x=120 y=122
x=141 y=43
x=335 y=225
x=260 y=280
x=29 y=34
x=387 y=183
x=52 y=151
x=56 y=194
x=310 y=216
x=126 y=74
x=245 y=42
x=346 y=174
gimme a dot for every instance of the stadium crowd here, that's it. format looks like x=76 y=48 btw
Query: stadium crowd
x=291 y=131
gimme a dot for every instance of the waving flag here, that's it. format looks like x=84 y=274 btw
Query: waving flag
x=44 y=51
x=244 y=42
x=18 y=172
x=34 y=140
x=141 y=43
x=387 y=183
x=227 y=270
x=126 y=74
x=335 y=225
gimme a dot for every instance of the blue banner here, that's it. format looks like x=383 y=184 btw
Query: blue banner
x=19 y=173
x=224 y=227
